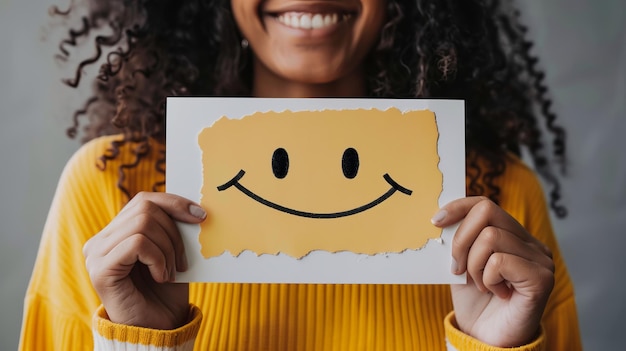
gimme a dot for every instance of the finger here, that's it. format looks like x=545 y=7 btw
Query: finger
x=140 y=249
x=163 y=241
x=496 y=240
x=483 y=211
x=479 y=213
x=147 y=217
x=142 y=223
x=505 y=273
x=177 y=207
x=151 y=218
x=109 y=270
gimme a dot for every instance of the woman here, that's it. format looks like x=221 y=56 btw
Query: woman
x=109 y=208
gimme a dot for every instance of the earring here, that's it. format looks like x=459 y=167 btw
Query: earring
x=244 y=43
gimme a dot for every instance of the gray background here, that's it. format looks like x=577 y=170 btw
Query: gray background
x=582 y=44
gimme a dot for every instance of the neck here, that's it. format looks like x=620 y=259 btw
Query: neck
x=268 y=84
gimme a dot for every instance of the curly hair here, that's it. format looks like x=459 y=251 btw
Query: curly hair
x=474 y=50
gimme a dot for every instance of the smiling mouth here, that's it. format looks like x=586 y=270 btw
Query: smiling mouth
x=394 y=187
x=299 y=20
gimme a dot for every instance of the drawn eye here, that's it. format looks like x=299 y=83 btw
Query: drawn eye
x=280 y=163
x=350 y=163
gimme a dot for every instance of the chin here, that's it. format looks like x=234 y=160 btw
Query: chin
x=313 y=73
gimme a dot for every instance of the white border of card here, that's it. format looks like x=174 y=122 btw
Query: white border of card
x=187 y=116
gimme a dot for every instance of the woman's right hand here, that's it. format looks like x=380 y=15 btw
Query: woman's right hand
x=134 y=259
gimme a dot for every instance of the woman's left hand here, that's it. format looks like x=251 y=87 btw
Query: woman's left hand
x=510 y=273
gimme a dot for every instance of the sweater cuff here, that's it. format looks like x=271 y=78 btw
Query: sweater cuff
x=459 y=341
x=116 y=337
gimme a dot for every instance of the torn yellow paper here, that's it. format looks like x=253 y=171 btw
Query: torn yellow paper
x=365 y=181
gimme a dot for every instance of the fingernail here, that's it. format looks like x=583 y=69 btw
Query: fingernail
x=166 y=275
x=439 y=216
x=454 y=267
x=197 y=211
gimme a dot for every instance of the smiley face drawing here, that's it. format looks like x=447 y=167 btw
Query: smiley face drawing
x=363 y=180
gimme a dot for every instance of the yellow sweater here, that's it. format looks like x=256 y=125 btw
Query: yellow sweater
x=60 y=303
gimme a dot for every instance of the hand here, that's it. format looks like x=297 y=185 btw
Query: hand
x=510 y=273
x=132 y=261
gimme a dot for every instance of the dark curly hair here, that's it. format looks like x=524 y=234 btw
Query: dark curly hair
x=474 y=50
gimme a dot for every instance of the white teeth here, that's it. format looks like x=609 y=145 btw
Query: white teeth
x=334 y=18
x=295 y=21
x=305 y=21
x=328 y=20
x=317 y=21
x=311 y=21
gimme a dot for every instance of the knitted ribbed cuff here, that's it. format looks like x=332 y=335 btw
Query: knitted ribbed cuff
x=113 y=336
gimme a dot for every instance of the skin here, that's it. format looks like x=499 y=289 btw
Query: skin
x=510 y=273
x=309 y=63
x=132 y=261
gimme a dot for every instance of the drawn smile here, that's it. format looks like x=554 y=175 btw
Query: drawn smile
x=394 y=187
